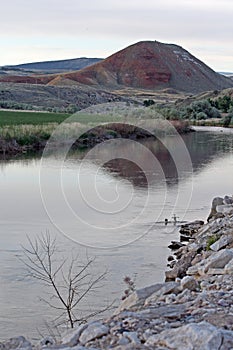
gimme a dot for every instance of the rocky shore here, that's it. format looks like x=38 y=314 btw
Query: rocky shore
x=193 y=309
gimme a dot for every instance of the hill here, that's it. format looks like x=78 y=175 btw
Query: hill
x=52 y=66
x=152 y=65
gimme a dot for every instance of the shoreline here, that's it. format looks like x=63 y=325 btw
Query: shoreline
x=213 y=129
x=192 y=309
x=36 y=143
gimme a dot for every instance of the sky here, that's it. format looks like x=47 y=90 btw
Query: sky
x=43 y=30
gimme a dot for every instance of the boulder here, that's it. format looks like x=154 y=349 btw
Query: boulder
x=173 y=311
x=219 y=259
x=189 y=282
x=175 y=245
x=226 y=209
x=71 y=338
x=222 y=242
x=138 y=297
x=216 y=260
x=229 y=267
x=19 y=343
x=181 y=266
x=216 y=201
x=228 y=200
x=167 y=287
x=92 y=331
x=201 y=336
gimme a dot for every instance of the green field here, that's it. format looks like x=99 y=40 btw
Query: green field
x=32 y=118
x=8 y=118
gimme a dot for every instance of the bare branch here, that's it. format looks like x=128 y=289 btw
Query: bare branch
x=70 y=281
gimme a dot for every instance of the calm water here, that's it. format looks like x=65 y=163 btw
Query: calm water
x=110 y=204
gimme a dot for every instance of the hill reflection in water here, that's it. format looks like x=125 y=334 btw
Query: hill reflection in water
x=203 y=148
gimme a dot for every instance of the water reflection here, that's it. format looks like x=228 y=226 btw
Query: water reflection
x=22 y=213
x=203 y=147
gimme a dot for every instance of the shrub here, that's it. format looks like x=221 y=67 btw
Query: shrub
x=201 y=116
x=201 y=110
x=148 y=103
x=227 y=120
x=211 y=240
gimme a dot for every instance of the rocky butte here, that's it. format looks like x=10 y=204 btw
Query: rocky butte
x=152 y=65
x=192 y=310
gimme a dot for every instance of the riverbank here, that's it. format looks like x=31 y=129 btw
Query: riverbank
x=191 y=310
x=32 y=138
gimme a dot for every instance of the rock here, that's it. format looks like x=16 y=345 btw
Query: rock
x=123 y=341
x=72 y=337
x=228 y=269
x=202 y=336
x=216 y=201
x=181 y=266
x=216 y=272
x=132 y=336
x=189 y=229
x=167 y=287
x=219 y=259
x=92 y=331
x=170 y=258
x=226 y=209
x=216 y=260
x=138 y=297
x=222 y=242
x=170 y=298
x=169 y=311
x=175 y=245
x=19 y=343
x=185 y=238
x=189 y=282
x=228 y=200
x=47 y=341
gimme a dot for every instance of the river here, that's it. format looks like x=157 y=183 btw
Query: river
x=110 y=204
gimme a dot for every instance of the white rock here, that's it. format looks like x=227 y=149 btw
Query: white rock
x=226 y=209
x=216 y=272
x=123 y=341
x=138 y=297
x=132 y=336
x=166 y=288
x=19 y=343
x=72 y=337
x=229 y=267
x=222 y=242
x=93 y=330
x=219 y=259
x=189 y=282
x=214 y=261
x=201 y=336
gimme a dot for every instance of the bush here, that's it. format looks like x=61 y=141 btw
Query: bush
x=201 y=110
x=148 y=103
x=201 y=116
x=227 y=120
x=224 y=103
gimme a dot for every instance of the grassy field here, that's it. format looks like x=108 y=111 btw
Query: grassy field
x=32 y=118
x=29 y=128
x=9 y=118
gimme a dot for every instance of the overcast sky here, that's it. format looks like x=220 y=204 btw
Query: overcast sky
x=38 y=30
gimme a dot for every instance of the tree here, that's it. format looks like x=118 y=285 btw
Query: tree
x=225 y=103
x=69 y=279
